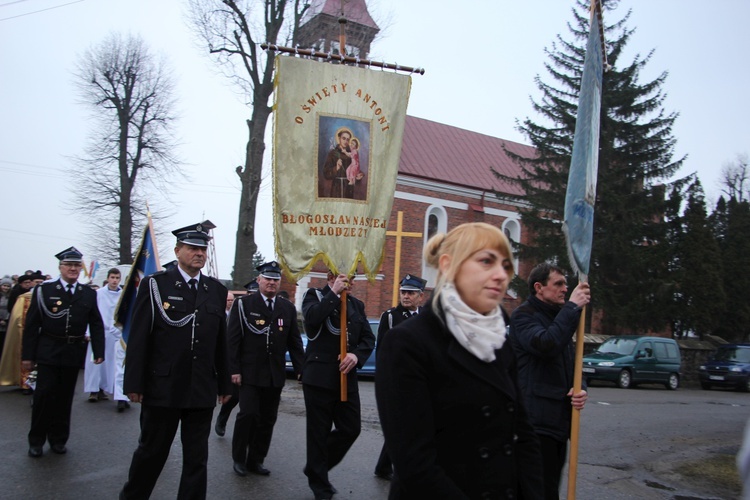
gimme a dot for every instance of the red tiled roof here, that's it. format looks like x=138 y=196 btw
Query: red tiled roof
x=354 y=10
x=457 y=156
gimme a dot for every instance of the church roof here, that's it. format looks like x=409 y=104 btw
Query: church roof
x=354 y=11
x=457 y=156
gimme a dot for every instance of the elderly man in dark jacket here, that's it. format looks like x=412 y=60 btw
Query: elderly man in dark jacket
x=54 y=340
x=261 y=329
x=177 y=367
x=541 y=332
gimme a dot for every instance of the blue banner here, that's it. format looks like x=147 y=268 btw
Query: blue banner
x=146 y=263
x=581 y=193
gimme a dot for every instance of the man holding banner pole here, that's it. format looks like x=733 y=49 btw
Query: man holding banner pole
x=541 y=332
x=332 y=424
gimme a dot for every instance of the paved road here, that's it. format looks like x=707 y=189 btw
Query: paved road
x=631 y=443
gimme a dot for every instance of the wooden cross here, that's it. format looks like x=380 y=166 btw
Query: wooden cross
x=398 y=233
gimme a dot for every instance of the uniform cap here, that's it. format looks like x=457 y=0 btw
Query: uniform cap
x=252 y=286
x=194 y=234
x=270 y=270
x=413 y=283
x=70 y=254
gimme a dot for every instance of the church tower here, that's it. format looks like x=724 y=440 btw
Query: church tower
x=320 y=27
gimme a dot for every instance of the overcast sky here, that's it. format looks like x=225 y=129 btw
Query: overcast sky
x=480 y=57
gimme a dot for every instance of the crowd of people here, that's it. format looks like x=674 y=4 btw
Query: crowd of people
x=473 y=403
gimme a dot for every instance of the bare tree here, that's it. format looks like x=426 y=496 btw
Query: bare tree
x=735 y=181
x=232 y=30
x=130 y=150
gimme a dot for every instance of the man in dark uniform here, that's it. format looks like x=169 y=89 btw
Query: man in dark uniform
x=326 y=446
x=54 y=338
x=176 y=366
x=261 y=330
x=226 y=409
x=411 y=291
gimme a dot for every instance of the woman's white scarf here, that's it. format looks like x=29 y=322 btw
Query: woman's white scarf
x=479 y=334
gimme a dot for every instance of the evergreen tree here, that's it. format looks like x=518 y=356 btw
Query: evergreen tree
x=700 y=298
x=732 y=220
x=629 y=272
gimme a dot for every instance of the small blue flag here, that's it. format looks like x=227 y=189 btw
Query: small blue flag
x=146 y=263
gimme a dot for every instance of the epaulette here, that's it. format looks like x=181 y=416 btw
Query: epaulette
x=157 y=273
x=216 y=280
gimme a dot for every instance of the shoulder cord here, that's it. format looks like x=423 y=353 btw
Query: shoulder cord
x=390 y=320
x=327 y=322
x=265 y=331
x=43 y=307
x=320 y=299
x=156 y=298
x=252 y=328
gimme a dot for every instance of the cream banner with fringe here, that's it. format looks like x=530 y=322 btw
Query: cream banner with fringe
x=336 y=149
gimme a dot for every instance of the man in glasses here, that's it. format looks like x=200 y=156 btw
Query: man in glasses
x=54 y=340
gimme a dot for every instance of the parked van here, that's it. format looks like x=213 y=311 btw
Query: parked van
x=628 y=360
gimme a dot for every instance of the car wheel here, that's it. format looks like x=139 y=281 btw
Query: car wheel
x=623 y=381
x=706 y=386
x=674 y=382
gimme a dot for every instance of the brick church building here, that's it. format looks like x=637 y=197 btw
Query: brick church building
x=444 y=178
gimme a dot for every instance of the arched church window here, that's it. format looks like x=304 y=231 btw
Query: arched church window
x=436 y=221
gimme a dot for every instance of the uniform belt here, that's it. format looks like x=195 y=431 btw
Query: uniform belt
x=70 y=339
x=327 y=358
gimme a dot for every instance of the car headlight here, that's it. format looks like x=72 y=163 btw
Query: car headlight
x=702 y=368
x=736 y=369
x=606 y=363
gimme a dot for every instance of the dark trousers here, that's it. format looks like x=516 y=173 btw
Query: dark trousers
x=253 y=427
x=158 y=428
x=554 y=453
x=53 y=400
x=384 y=465
x=326 y=447
x=227 y=407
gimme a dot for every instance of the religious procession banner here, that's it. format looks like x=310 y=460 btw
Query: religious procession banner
x=336 y=149
x=584 y=164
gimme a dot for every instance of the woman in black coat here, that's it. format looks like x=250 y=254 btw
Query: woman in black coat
x=446 y=383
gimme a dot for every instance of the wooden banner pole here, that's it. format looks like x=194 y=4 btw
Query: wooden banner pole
x=575 y=421
x=342 y=346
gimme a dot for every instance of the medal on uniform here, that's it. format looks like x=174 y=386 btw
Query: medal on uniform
x=260 y=322
x=166 y=306
x=54 y=309
x=281 y=325
x=59 y=303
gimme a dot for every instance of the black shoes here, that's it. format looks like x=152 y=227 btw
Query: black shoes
x=35 y=451
x=388 y=475
x=122 y=406
x=221 y=425
x=240 y=469
x=257 y=468
x=93 y=397
x=60 y=449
